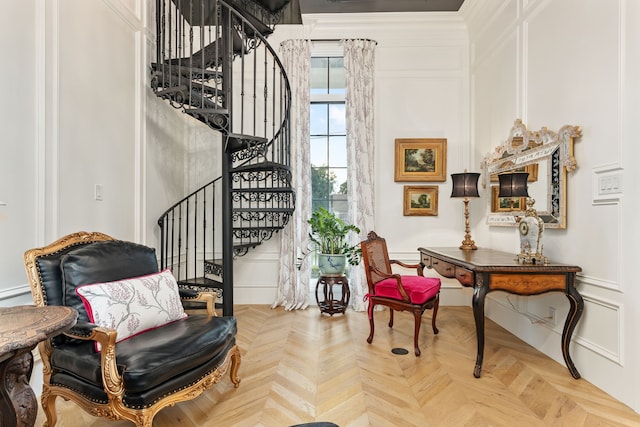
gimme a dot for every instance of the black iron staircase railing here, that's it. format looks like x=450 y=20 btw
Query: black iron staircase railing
x=214 y=62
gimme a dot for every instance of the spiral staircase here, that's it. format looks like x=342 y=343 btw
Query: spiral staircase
x=214 y=63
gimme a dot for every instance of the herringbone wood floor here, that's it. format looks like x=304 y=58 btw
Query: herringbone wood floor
x=300 y=366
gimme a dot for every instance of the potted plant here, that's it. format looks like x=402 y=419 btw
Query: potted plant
x=330 y=238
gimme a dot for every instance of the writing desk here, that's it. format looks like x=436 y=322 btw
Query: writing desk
x=488 y=270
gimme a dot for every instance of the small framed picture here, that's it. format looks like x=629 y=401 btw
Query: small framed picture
x=420 y=200
x=421 y=159
x=506 y=204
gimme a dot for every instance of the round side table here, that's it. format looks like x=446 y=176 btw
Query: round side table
x=330 y=304
x=21 y=329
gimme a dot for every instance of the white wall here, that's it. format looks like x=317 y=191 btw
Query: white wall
x=20 y=119
x=74 y=120
x=553 y=63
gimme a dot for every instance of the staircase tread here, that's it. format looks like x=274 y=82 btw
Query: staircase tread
x=247 y=137
x=200 y=281
x=263 y=227
x=183 y=70
x=207 y=111
x=197 y=87
x=260 y=166
x=196 y=95
x=207 y=55
x=247 y=245
x=263 y=190
x=263 y=209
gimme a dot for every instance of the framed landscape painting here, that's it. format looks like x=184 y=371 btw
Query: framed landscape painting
x=506 y=204
x=421 y=159
x=420 y=200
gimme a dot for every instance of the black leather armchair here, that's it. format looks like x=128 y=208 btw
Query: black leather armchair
x=135 y=378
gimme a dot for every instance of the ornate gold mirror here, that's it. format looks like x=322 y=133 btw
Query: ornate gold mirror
x=547 y=156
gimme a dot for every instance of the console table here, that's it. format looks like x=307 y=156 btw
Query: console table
x=487 y=270
x=21 y=329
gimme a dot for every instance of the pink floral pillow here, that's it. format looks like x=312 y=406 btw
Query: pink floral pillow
x=133 y=306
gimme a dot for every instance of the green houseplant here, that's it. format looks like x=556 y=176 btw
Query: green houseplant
x=330 y=238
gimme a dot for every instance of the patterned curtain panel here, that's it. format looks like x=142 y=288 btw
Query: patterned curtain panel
x=293 y=284
x=359 y=61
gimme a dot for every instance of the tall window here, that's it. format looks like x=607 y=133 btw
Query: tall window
x=328 y=151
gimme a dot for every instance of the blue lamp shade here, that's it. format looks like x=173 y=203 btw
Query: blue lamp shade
x=513 y=184
x=465 y=184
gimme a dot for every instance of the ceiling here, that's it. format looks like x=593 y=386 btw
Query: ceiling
x=362 y=6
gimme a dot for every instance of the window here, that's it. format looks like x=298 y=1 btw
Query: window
x=328 y=150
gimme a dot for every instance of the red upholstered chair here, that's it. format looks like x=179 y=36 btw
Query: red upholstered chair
x=414 y=293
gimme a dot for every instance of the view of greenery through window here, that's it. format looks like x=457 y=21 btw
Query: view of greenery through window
x=328 y=151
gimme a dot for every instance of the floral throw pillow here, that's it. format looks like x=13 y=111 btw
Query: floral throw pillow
x=133 y=306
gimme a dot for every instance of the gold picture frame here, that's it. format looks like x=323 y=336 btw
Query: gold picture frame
x=503 y=204
x=420 y=200
x=421 y=159
x=532 y=170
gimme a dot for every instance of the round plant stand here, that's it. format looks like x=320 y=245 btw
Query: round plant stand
x=329 y=304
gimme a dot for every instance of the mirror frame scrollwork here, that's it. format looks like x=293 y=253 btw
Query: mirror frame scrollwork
x=524 y=148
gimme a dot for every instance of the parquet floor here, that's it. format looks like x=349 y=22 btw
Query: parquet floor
x=300 y=367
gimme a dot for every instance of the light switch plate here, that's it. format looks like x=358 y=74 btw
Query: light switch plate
x=98 y=192
x=607 y=184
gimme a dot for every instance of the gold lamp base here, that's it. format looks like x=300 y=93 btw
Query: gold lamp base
x=467 y=243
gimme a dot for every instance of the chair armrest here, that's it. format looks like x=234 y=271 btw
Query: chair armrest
x=111 y=378
x=405 y=297
x=209 y=298
x=419 y=267
x=81 y=330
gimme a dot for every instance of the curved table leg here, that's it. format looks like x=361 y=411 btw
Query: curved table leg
x=576 y=307
x=17 y=399
x=479 y=294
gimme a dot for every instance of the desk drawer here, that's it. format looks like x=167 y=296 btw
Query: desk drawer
x=443 y=268
x=464 y=276
x=426 y=260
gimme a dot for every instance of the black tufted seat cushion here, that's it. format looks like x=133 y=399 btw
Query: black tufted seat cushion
x=150 y=363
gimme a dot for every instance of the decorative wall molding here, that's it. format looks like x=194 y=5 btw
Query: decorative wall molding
x=131 y=14
x=51 y=194
x=11 y=293
x=617 y=354
x=524 y=307
x=41 y=119
x=585 y=280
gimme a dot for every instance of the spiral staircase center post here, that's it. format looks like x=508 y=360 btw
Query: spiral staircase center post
x=227 y=163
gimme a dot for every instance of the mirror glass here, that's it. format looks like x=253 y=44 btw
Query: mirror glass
x=547 y=156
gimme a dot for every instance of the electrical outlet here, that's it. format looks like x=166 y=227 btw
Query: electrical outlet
x=552 y=315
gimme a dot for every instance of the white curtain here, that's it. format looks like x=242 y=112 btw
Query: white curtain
x=359 y=62
x=293 y=284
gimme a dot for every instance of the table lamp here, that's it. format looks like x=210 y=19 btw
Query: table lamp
x=531 y=226
x=466 y=185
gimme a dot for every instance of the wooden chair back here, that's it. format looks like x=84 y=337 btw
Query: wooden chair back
x=375 y=257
